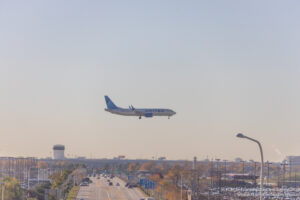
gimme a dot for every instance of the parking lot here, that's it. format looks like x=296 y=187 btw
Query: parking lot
x=253 y=193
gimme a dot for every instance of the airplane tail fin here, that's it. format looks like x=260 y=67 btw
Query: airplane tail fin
x=109 y=103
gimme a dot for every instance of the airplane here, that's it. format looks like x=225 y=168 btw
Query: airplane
x=140 y=112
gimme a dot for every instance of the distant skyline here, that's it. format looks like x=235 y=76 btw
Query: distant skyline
x=223 y=66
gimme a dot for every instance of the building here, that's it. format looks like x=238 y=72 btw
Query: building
x=161 y=158
x=58 y=152
x=294 y=160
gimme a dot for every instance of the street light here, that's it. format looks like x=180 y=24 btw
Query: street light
x=218 y=176
x=3 y=188
x=240 y=135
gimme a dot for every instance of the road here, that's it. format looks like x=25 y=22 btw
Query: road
x=100 y=189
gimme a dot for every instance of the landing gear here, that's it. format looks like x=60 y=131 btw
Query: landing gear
x=168 y=117
x=140 y=117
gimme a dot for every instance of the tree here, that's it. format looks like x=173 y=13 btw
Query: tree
x=148 y=166
x=39 y=192
x=13 y=190
x=73 y=193
x=133 y=167
x=59 y=179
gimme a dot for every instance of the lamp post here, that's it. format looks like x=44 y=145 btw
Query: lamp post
x=243 y=164
x=181 y=187
x=3 y=188
x=2 y=184
x=240 y=135
x=268 y=165
x=225 y=172
x=218 y=176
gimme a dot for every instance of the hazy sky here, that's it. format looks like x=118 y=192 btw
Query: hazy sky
x=224 y=67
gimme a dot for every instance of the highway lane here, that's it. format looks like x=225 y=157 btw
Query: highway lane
x=100 y=190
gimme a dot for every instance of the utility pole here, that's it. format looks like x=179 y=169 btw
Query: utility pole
x=283 y=164
x=225 y=171
x=211 y=175
x=3 y=185
x=28 y=181
x=195 y=180
x=295 y=180
x=9 y=166
x=3 y=189
x=278 y=177
x=243 y=162
x=225 y=163
x=290 y=170
x=218 y=176
x=181 y=187
x=268 y=165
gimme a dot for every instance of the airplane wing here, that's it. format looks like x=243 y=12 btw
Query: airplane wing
x=138 y=112
x=141 y=113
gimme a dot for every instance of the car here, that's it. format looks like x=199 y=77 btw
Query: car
x=118 y=184
x=84 y=184
x=87 y=180
x=132 y=185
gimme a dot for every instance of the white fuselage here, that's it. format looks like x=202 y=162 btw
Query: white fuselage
x=142 y=112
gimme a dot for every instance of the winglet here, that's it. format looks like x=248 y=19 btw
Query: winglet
x=131 y=108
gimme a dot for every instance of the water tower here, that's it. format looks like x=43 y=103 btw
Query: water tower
x=58 y=152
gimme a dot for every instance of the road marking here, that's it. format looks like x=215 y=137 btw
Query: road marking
x=107 y=194
x=121 y=194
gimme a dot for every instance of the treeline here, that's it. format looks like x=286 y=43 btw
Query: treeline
x=61 y=185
